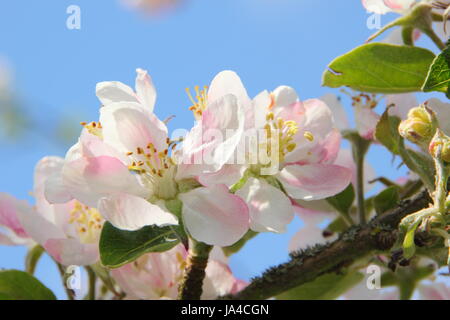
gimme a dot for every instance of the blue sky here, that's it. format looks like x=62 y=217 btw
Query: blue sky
x=268 y=42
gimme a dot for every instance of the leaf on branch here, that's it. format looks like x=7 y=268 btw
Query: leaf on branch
x=19 y=285
x=380 y=68
x=119 y=247
x=327 y=287
x=438 y=78
x=343 y=201
x=386 y=200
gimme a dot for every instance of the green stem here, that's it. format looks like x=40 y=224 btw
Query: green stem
x=32 y=258
x=359 y=149
x=92 y=284
x=434 y=37
x=441 y=183
x=191 y=287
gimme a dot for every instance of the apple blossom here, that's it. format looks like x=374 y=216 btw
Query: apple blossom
x=124 y=166
x=298 y=140
x=11 y=230
x=157 y=276
x=69 y=232
x=152 y=6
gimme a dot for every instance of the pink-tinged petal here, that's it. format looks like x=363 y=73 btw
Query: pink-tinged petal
x=226 y=83
x=293 y=112
x=401 y=104
x=270 y=210
x=366 y=121
x=114 y=91
x=145 y=89
x=38 y=227
x=89 y=179
x=307 y=236
x=345 y=159
x=434 y=291
x=55 y=190
x=6 y=240
x=46 y=168
x=284 y=96
x=213 y=141
x=72 y=252
x=385 y=6
x=128 y=212
x=238 y=286
x=10 y=209
x=338 y=111
x=127 y=126
x=313 y=212
x=219 y=280
x=228 y=175
x=319 y=118
x=214 y=216
x=314 y=181
x=328 y=149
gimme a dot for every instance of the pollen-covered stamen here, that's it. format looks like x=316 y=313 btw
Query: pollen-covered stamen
x=94 y=128
x=88 y=222
x=200 y=102
x=363 y=100
x=280 y=133
x=156 y=168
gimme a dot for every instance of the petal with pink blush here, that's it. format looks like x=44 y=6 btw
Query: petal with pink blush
x=10 y=209
x=270 y=210
x=89 y=179
x=127 y=126
x=214 y=216
x=72 y=252
x=228 y=175
x=128 y=212
x=114 y=91
x=435 y=291
x=145 y=89
x=319 y=118
x=314 y=181
x=366 y=121
x=219 y=280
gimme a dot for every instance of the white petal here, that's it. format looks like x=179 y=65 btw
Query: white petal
x=114 y=91
x=270 y=209
x=128 y=212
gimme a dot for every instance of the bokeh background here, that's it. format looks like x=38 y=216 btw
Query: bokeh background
x=48 y=75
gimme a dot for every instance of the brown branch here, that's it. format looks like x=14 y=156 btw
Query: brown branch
x=379 y=235
x=191 y=287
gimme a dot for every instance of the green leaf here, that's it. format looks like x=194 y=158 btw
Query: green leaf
x=386 y=132
x=409 y=247
x=338 y=225
x=19 y=285
x=386 y=200
x=119 y=247
x=343 y=201
x=438 y=78
x=327 y=287
x=380 y=68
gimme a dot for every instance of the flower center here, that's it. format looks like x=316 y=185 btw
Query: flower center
x=199 y=104
x=156 y=169
x=88 y=222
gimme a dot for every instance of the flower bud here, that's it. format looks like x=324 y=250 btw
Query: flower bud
x=420 y=126
x=440 y=146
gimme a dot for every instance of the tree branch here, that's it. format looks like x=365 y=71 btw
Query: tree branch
x=191 y=287
x=355 y=243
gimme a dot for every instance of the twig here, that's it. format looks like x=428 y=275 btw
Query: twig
x=355 y=243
